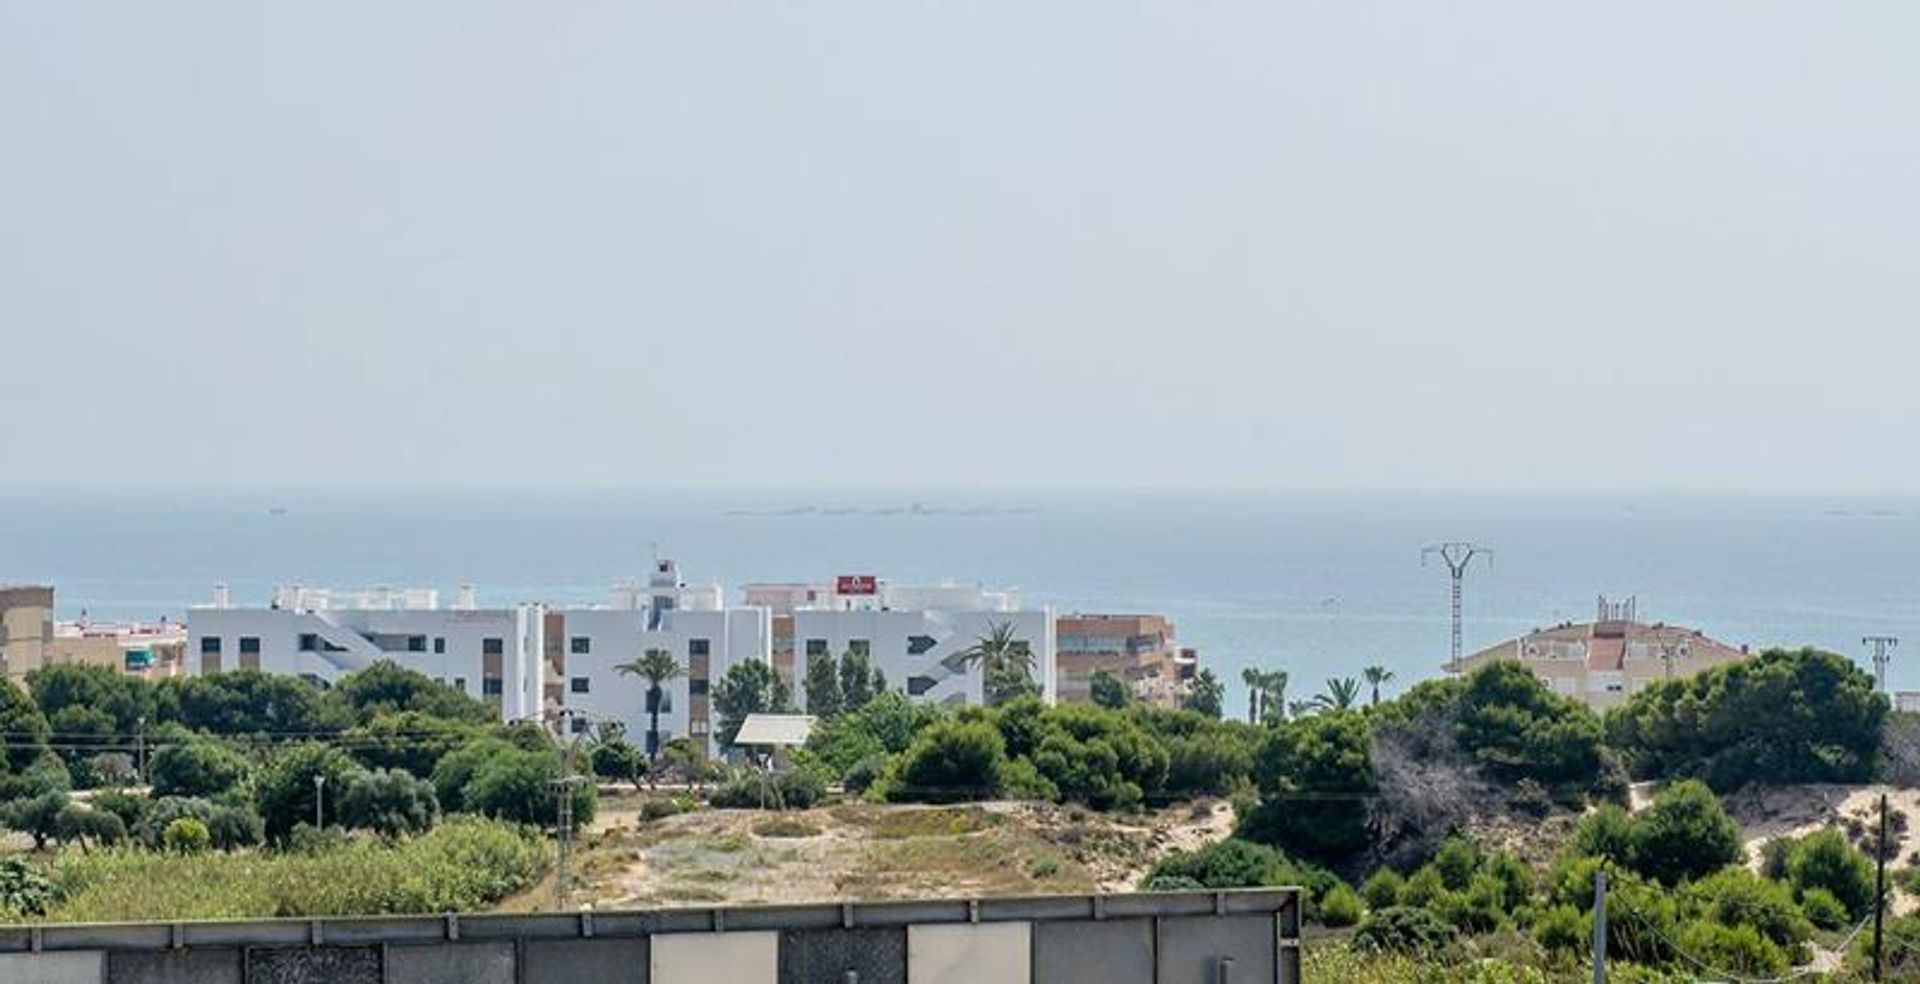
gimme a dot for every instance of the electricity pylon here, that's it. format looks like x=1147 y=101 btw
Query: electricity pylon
x=1457 y=555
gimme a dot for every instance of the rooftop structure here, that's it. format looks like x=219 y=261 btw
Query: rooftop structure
x=1603 y=662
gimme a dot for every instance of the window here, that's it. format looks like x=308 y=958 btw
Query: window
x=309 y=643
x=699 y=728
x=416 y=644
x=577 y=724
x=491 y=688
x=580 y=645
x=493 y=647
x=210 y=644
x=580 y=685
x=699 y=647
x=249 y=645
x=862 y=647
x=816 y=647
x=440 y=644
x=460 y=684
x=696 y=688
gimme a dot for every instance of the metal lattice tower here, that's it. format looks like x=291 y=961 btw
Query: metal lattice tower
x=1457 y=555
x=563 y=819
x=1882 y=647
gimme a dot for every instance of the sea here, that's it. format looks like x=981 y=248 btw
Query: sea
x=1317 y=585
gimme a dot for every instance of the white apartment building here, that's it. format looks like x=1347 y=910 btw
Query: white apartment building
x=915 y=635
x=530 y=661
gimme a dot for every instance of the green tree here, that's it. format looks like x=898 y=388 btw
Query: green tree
x=1255 y=681
x=248 y=702
x=409 y=740
x=523 y=785
x=1343 y=694
x=1516 y=728
x=390 y=802
x=1108 y=691
x=85 y=732
x=860 y=680
x=658 y=667
x=1206 y=696
x=949 y=762
x=1231 y=863
x=1315 y=776
x=1273 y=696
x=1685 y=834
x=285 y=791
x=233 y=826
x=749 y=687
x=128 y=700
x=37 y=816
x=24 y=725
x=1784 y=716
x=1005 y=661
x=186 y=835
x=196 y=767
x=614 y=757
x=823 y=685
x=1376 y=677
x=388 y=688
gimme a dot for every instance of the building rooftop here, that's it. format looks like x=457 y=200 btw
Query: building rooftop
x=777 y=730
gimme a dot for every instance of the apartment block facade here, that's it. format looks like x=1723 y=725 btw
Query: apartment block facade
x=1604 y=662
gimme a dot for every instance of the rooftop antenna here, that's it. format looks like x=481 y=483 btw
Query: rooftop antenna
x=1457 y=555
x=1882 y=647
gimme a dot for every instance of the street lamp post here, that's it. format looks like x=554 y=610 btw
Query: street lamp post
x=319 y=802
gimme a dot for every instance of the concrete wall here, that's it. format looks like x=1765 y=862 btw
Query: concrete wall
x=1157 y=938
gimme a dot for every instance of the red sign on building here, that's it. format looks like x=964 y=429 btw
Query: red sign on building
x=856 y=584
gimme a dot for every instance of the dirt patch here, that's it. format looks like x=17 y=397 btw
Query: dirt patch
x=872 y=851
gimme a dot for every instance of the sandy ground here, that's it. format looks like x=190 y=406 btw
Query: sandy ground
x=868 y=851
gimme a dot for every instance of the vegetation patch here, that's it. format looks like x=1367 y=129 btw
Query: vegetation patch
x=956 y=821
x=780 y=827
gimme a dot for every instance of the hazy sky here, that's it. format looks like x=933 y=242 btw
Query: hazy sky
x=1293 y=245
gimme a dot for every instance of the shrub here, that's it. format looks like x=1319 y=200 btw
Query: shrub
x=1456 y=861
x=518 y=784
x=1684 y=834
x=950 y=762
x=234 y=826
x=1738 y=897
x=1562 y=929
x=24 y=889
x=1824 y=859
x=1606 y=832
x=863 y=774
x=1314 y=775
x=661 y=807
x=185 y=835
x=285 y=791
x=1043 y=866
x=79 y=824
x=1339 y=907
x=1424 y=890
x=1382 y=888
x=1231 y=863
x=1404 y=929
x=129 y=808
x=785 y=827
x=1823 y=909
x=1737 y=949
x=390 y=802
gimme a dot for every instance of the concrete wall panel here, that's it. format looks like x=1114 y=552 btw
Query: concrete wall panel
x=75 y=967
x=709 y=958
x=1118 y=951
x=587 y=962
x=451 y=963
x=314 y=965
x=970 y=953
x=175 y=967
x=1191 y=947
x=825 y=956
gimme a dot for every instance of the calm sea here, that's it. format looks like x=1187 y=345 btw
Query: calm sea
x=1320 y=586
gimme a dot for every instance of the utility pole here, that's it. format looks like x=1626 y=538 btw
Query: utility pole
x=1882 y=646
x=1600 y=926
x=1457 y=555
x=1879 y=885
x=140 y=749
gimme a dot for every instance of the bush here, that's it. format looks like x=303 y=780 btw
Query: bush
x=518 y=784
x=1231 y=863
x=1404 y=929
x=234 y=826
x=1684 y=834
x=1339 y=907
x=1382 y=888
x=1562 y=929
x=661 y=807
x=285 y=791
x=864 y=773
x=795 y=789
x=1738 y=897
x=1456 y=861
x=390 y=802
x=24 y=889
x=1735 y=949
x=950 y=762
x=1823 y=909
x=79 y=824
x=1824 y=860
x=1607 y=832
x=185 y=835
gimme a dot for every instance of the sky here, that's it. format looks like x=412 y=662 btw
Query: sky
x=1267 y=245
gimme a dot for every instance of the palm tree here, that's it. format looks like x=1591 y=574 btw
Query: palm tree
x=1273 y=695
x=1255 y=681
x=1001 y=656
x=658 y=666
x=1375 y=677
x=1342 y=693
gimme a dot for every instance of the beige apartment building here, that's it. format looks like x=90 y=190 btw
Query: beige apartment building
x=30 y=639
x=1603 y=662
x=1139 y=649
